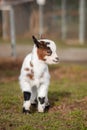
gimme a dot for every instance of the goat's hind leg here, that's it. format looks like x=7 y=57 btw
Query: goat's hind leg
x=34 y=96
x=42 y=98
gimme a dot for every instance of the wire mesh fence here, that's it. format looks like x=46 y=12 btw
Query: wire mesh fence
x=27 y=19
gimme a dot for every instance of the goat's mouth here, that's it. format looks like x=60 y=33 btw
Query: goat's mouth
x=56 y=61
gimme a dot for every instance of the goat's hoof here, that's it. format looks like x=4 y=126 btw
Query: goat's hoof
x=34 y=104
x=26 y=111
x=47 y=108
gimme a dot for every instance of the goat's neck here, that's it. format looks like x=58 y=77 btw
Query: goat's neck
x=35 y=60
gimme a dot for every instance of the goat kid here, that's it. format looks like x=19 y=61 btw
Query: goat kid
x=34 y=78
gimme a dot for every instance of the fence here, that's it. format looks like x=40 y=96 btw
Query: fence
x=27 y=19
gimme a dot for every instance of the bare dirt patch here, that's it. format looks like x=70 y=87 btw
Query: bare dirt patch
x=65 y=108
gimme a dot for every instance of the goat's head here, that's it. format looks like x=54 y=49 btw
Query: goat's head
x=46 y=50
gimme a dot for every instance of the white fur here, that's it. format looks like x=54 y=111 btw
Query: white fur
x=39 y=85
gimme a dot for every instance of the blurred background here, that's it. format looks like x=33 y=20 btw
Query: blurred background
x=64 y=21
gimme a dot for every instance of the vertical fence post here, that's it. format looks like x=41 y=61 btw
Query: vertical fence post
x=81 y=21
x=40 y=19
x=12 y=30
x=41 y=3
x=4 y=24
x=64 y=26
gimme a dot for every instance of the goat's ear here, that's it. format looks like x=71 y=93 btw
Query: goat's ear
x=36 y=42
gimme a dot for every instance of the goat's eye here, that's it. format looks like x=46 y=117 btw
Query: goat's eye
x=49 y=52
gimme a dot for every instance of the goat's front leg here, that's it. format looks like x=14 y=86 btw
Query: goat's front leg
x=27 y=103
x=27 y=92
x=42 y=98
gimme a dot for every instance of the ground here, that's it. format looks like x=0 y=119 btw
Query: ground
x=67 y=96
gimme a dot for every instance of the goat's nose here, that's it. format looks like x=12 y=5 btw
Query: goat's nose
x=57 y=58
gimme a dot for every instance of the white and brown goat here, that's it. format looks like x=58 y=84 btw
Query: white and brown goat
x=34 y=78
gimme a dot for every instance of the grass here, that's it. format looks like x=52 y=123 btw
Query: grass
x=67 y=95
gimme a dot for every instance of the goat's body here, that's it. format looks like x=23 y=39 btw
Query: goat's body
x=38 y=84
x=34 y=78
x=41 y=74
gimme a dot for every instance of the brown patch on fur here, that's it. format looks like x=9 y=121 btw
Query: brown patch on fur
x=41 y=53
x=31 y=75
x=26 y=69
x=31 y=64
x=32 y=71
x=43 y=50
